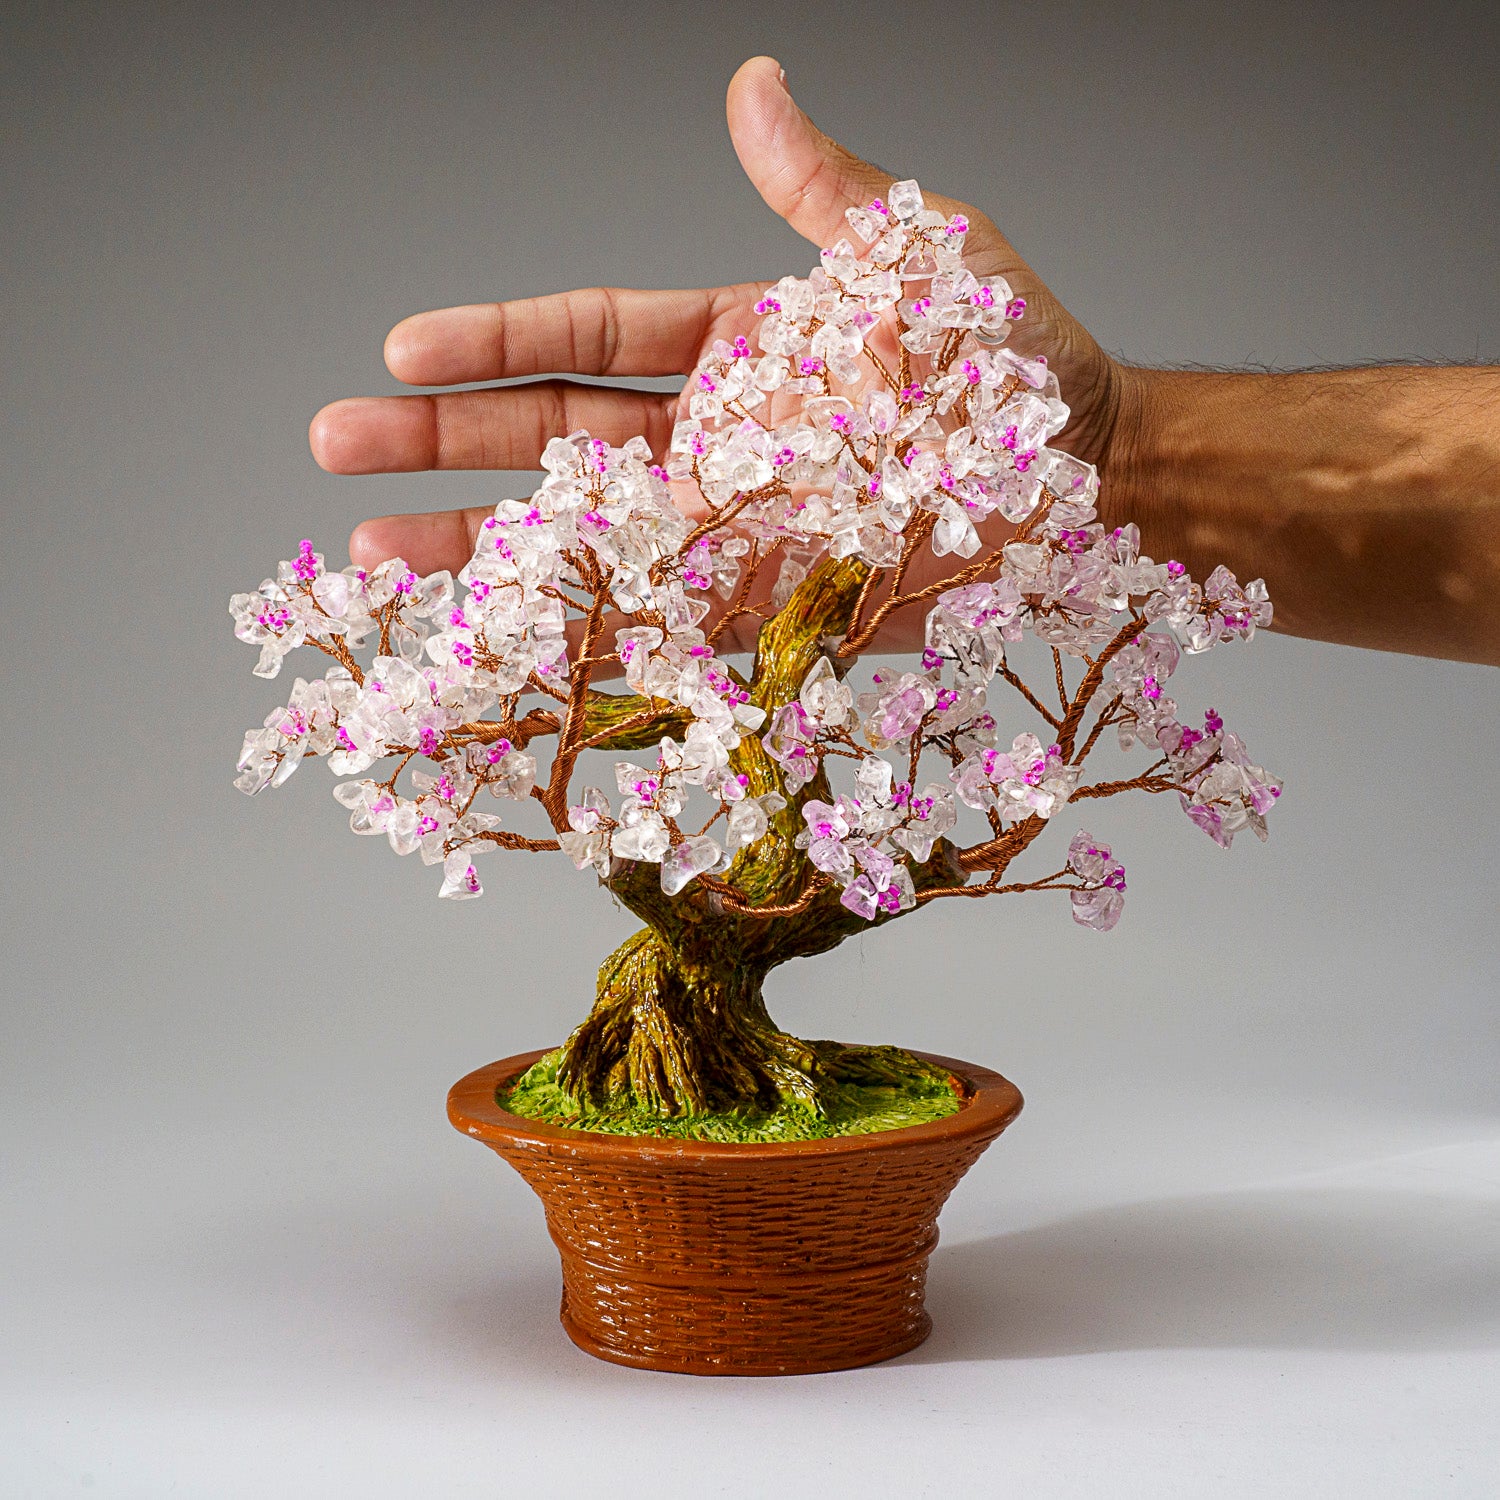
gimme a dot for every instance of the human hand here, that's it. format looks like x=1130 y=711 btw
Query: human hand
x=805 y=177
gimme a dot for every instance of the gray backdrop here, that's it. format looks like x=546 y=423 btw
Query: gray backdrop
x=1248 y=1229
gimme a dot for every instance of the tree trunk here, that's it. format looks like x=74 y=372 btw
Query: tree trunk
x=679 y=1026
x=683 y=1037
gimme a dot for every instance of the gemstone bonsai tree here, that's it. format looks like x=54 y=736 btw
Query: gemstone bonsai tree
x=873 y=447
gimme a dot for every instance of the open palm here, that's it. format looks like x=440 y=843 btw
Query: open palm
x=805 y=177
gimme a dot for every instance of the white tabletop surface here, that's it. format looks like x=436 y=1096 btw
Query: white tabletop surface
x=1175 y=1300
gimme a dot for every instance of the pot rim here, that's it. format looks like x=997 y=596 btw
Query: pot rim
x=991 y=1103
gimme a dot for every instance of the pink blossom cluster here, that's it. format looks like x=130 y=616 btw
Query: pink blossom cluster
x=798 y=444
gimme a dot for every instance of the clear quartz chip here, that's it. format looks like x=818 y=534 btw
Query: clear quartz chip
x=687 y=860
x=868 y=226
x=905 y=199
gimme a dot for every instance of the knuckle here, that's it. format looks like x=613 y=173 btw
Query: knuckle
x=500 y=337
x=552 y=415
x=609 y=331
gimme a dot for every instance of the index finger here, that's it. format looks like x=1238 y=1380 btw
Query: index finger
x=597 y=331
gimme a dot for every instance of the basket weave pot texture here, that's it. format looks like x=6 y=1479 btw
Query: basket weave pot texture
x=742 y=1259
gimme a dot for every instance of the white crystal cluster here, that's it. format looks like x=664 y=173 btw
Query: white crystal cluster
x=877 y=392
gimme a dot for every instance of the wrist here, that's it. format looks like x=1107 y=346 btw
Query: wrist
x=1132 y=460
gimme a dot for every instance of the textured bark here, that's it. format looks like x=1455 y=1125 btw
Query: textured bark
x=679 y=1038
x=687 y=1037
x=626 y=721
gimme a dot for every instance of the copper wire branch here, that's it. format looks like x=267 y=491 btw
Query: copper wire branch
x=995 y=854
x=1141 y=783
x=1054 y=882
x=517 y=841
x=885 y=374
x=722 y=516
x=520 y=732
x=860 y=637
x=1106 y=718
x=727 y=899
x=566 y=754
x=1092 y=678
x=338 y=648
x=739 y=605
x=1011 y=677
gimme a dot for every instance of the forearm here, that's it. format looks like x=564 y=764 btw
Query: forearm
x=1368 y=499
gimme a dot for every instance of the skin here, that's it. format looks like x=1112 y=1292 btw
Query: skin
x=1369 y=499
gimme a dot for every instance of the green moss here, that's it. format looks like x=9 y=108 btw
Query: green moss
x=867 y=1089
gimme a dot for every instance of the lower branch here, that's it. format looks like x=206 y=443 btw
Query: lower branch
x=1141 y=783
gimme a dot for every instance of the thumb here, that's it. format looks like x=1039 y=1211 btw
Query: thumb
x=806 y=177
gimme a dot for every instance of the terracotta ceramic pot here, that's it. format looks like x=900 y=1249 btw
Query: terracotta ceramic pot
x=765 y=1259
